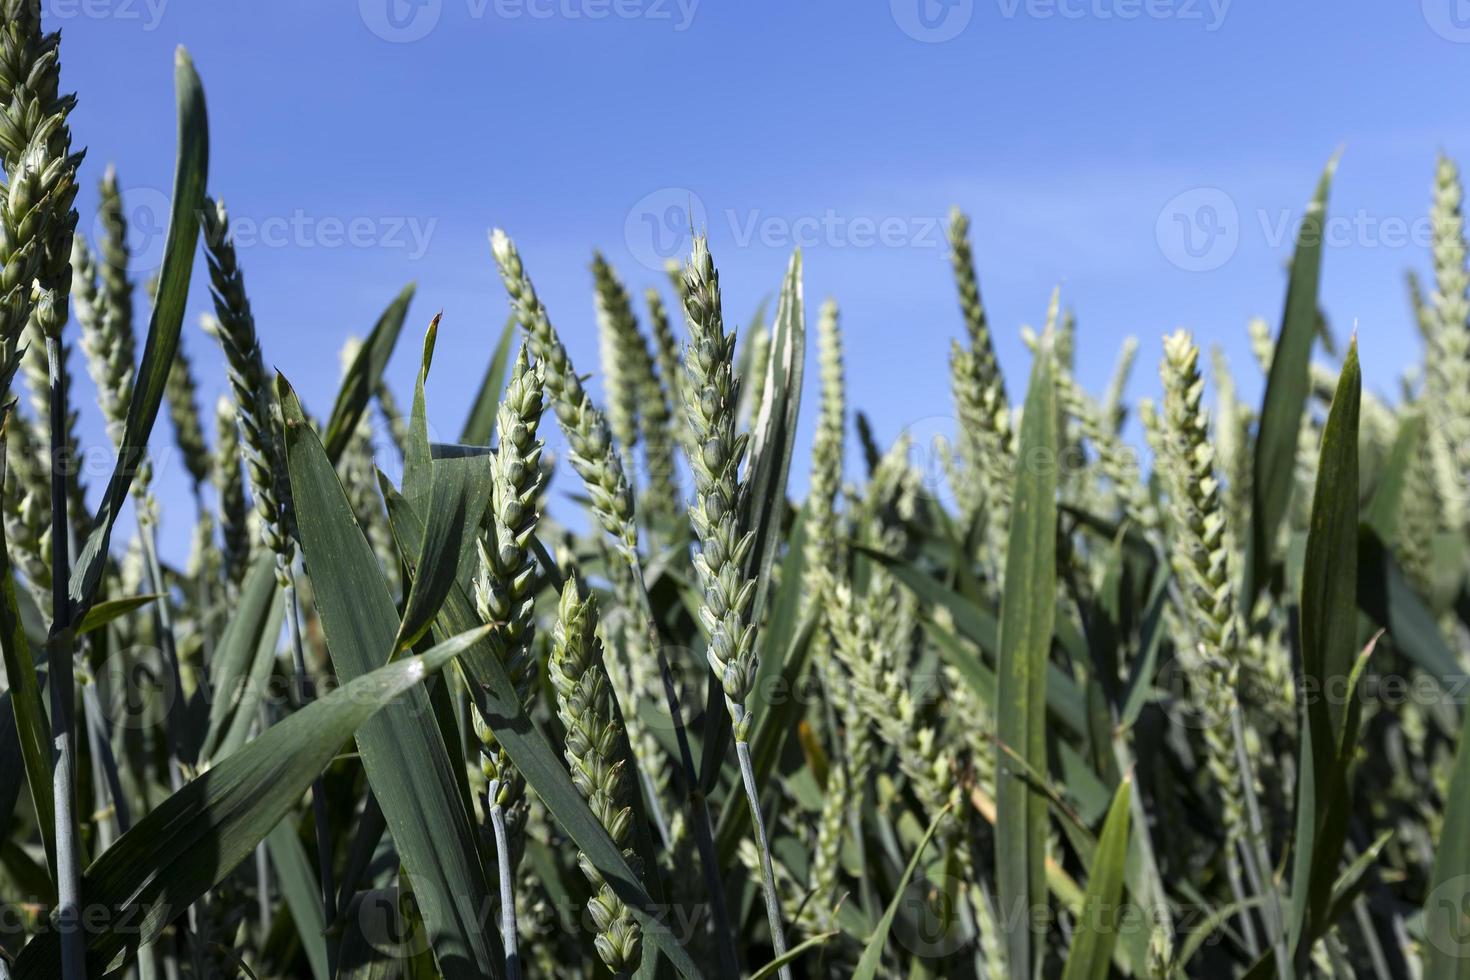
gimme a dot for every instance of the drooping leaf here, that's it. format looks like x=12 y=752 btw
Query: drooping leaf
x=190 y=176
x=191 y=841
x=535 y=759
x=413 y=773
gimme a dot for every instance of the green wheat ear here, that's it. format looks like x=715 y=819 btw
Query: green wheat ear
x=1447 y=369
x=1200 y=553
x=597 y=755
x=823 y=547
x=716 y=452
x=593 y=453
x=622 y=350
x=181 y=391
x=234 y=328
x=229 y=484
x=505 y=586
x=639 y=411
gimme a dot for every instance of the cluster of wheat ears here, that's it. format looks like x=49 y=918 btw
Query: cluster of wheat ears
x=1065 y=718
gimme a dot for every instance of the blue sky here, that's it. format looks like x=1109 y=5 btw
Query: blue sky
x=367 y=143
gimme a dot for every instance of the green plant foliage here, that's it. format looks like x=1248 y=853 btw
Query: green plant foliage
x=1196 y=714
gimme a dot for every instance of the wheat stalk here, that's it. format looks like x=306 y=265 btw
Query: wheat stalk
x=1200 y=555
x=716 y=452
x=38 y=220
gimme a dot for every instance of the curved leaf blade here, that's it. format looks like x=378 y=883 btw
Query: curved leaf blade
x=412 y=771
x=190 y=177
x=188 y=843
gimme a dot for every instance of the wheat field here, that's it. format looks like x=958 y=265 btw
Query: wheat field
x=1034 y=699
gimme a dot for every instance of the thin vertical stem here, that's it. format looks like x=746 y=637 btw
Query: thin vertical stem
x=104 y=764
x=768 y=873
x=508 y=937
x=1257 y=860
x=164 y=617
x=699 y=816
x=318 y=789
x=63 y=691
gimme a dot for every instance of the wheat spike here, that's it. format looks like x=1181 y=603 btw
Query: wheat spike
x=716 y=452
x=505 y=586
x=593 y=454
x=234 y=328
x=596 y=751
